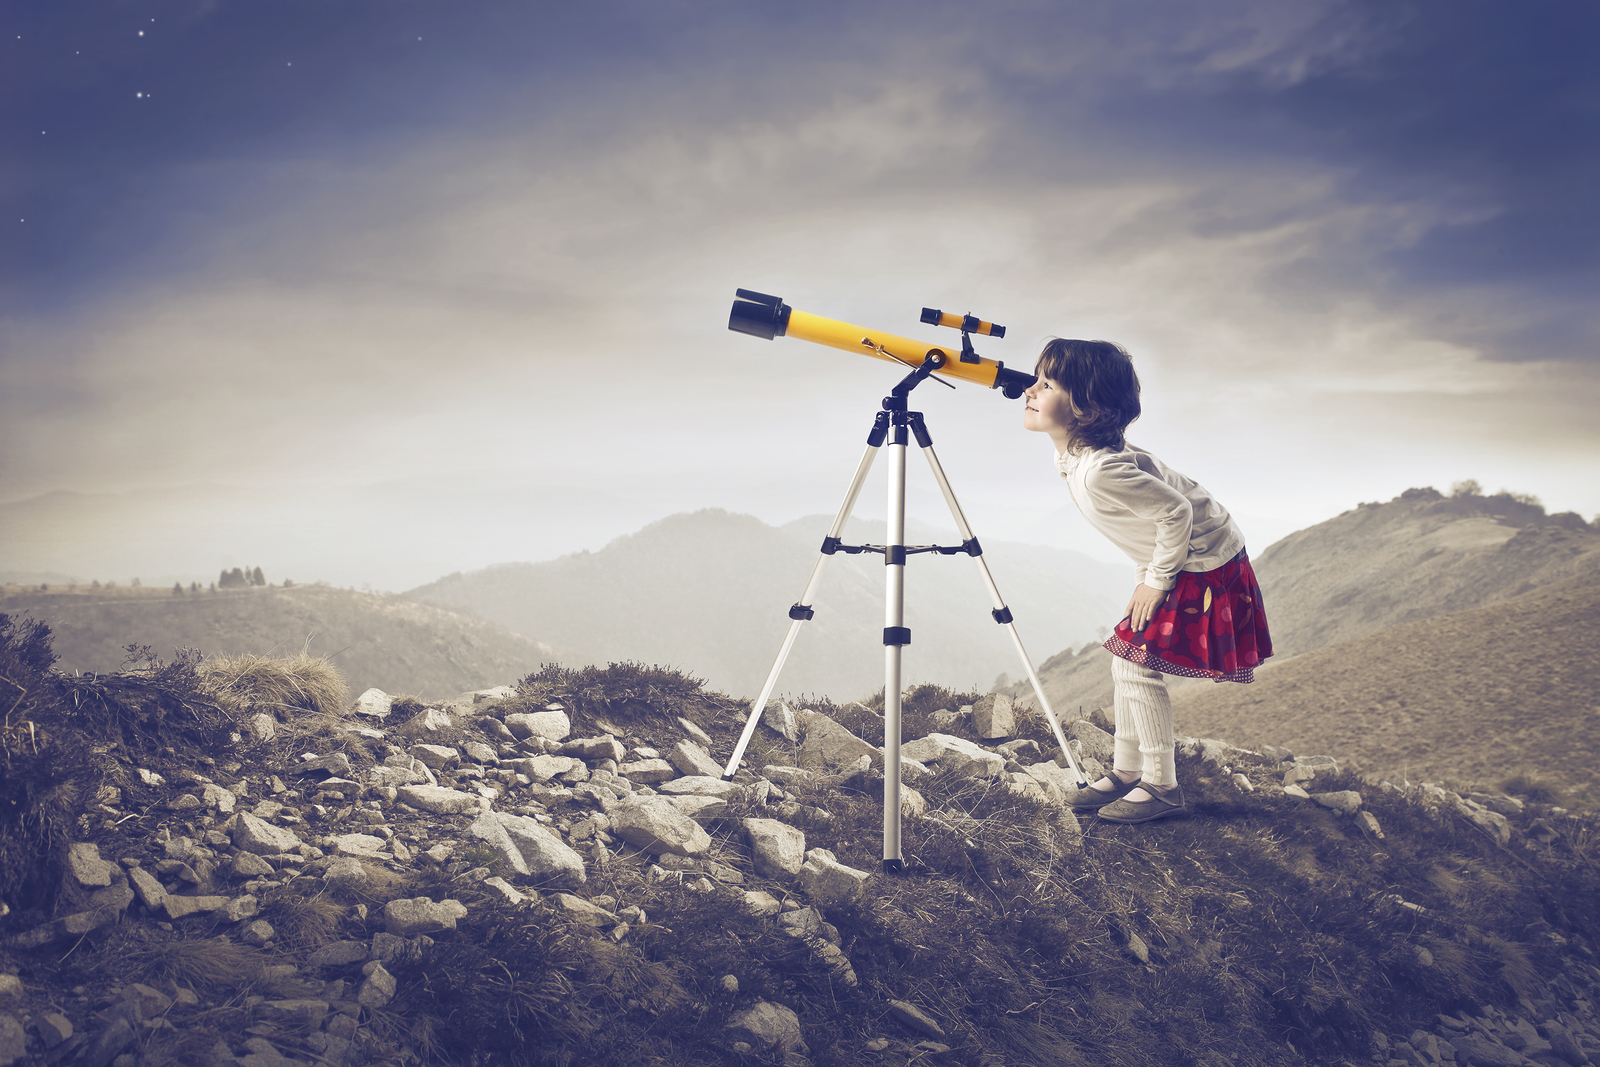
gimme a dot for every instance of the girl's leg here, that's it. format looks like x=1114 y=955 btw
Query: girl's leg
x=1144 y=737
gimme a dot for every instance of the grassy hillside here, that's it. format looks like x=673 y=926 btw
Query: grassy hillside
x=385 y=641
x=710 y=592
x=1475 y=696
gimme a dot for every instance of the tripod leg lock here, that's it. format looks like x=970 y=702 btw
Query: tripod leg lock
x=830 y=545
x=897 y=635
x=1001 y=615
x=894 y=556
x=971 y=547
x=800 y=613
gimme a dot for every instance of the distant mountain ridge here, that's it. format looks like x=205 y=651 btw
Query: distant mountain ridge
x=384 y=641
x=710 y=591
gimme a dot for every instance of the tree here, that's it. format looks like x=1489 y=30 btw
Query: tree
x=1470 y=487
x=177 y=588
x=257 y=579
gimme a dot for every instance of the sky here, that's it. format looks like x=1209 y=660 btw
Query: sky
x=369 y=292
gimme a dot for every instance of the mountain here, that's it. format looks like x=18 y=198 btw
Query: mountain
x=396 y=644
x=711 y=590
x=1397 y=568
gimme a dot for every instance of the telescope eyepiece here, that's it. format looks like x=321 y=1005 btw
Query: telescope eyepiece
x=964 y=323
x=759 y=315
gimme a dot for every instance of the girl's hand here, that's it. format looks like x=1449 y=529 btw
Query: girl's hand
x=1143 y=604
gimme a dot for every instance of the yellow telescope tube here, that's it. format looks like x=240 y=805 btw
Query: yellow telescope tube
x=767 y=316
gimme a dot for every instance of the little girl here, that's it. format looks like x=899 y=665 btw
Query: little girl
x=1196 y=608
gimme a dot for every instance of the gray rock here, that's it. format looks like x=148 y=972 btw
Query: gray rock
x=761 y=903
x=992 y=716
x=1092 y=741
x=439 y=800
x=83 y=860
x=765 y=1026
x=828 y=745
x=378 y=989
x=262 y=727
x=260 y=837
x=693 y=760
x=829 y=882
x=1347 y=801
x=604 y=747
x=13 y=1039
x=374 y=702
x=148 y=886
x=697 y=735
x=246 y=865
x=576 y=909
x=700 y=809
x=551 y=725
x=178 y=907
x=336 y=763
x=436 y=756
x=498 y=692
x=478 y=752
x=365 y=845
x=218 y=799
x=1479 y=1051
x=779 y=850
x=488 y=829
x=346 y=872
x=648 y=771
x=53 y=1028
x=420 y=915
x=1309 y=768
x=780 y=717
x=549 y=859
x=1369 y=823
x=955 y=754
x=339 y=954
x=426 y=725
x=655 y=825
x=109 y=1043
x=914 y=1017
x=241 y=908
x=699 y=785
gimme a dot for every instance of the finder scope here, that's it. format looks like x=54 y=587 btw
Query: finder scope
x=767 y=317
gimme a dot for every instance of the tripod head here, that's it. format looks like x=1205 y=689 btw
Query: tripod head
x=768 y=317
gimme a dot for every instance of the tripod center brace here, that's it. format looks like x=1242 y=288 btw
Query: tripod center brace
x=896 y=635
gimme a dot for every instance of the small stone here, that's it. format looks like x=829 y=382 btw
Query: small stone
x=53 y=1028
x=346 y=872
x=729 y=984
x=258 y=933
x=1243 y=784
x=915 y=1017
x=420 y=915
x=178 y=907
x=374 y=702
x=378 y=988
x=829 y=882
x=992 y=716
x=1369 y=823
x=1345 y=801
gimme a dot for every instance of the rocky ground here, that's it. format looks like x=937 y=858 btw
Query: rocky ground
x=308 y=907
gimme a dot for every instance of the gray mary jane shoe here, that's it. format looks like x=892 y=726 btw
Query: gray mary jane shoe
x=1159 y=806
x=1089 y=798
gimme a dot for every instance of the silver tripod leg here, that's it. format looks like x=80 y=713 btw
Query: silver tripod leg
x=1002 y=614
x=802 y=608
x=895 y=637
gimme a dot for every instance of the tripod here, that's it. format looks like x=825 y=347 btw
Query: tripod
x=896 y=635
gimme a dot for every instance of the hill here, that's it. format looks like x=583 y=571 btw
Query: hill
x=377 y=640
x=518 y=877
x=1399 y=567
x=1478 y=695
x=712 y=590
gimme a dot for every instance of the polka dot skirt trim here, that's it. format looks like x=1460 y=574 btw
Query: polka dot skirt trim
x=1211 y=625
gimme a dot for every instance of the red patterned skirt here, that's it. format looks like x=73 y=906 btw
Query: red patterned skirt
x=1210 y=626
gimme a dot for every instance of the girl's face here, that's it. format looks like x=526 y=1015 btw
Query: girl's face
x=1048 y=409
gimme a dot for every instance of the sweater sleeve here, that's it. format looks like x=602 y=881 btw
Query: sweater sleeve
x=1144 y=498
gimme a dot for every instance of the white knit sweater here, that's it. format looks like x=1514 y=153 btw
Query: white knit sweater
x=1164 y=521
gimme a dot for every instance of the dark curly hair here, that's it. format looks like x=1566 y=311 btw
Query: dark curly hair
x=1100 y=379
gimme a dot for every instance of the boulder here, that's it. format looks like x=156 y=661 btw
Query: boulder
x=438 y=799
x=699 y=785
x=374 y=702
x=691 y=759
x=335 y=763
x=828 y=745
x=828 y=882
x=648 y=771
x=765 y=1027
x=436 y=756
x=655 y=825
x=262 y=838
x=1309 y=768
x=550 y=725
x=83 y=860
x=992 y=716
x=1347 y=801
x=548 y=858
x=488 y=829
x=779 y=850
x=780 y=717
x=956 y=754
x=420 y=915
x=604 y=747
x=427 y=724
x=346 y=872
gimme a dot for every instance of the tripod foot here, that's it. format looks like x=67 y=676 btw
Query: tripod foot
x=894 y=866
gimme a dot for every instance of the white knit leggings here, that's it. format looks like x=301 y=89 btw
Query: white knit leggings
x=1144 y=738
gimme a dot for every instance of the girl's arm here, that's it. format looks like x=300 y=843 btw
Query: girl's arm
x=1145 y=498
x=1143 y=605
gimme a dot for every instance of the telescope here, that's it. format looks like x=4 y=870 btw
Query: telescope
x=767 y=317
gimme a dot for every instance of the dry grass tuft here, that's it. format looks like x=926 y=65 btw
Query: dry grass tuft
x=288 y=687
